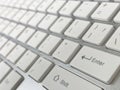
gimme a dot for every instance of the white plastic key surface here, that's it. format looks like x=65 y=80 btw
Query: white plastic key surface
x=47 y=22
x=44 y=5
x=49 y=44
x=26 y=34
x=7 y=48
x=11 y=82
x=61 y=79
x=36 y=39
x=117 y=18
x=106 y=11
x=85 y=9
x=40 y=68
x=27 y=16
x=26 y=60
x=3 y=40
x=114 y=41
x=3 y=73
x=66 y=51
x=17 y=31
x=16 y=53
x=60 y=25
x=77 y=28
x=36 y=19
x=96 y=63
x=55 y=7
x=69 y=8
x=9 y=28
x=98 y=33
x=19 y=15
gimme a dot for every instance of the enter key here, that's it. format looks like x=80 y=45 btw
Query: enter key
x=98 y=64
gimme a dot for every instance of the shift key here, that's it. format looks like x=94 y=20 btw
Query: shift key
x=98 y=64
x=61 y=79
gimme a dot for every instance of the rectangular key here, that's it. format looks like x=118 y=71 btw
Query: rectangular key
x=98 y=33
x=66 y=51
x=36 y=19
x=17 y=31
x=7 y=48
x=26 y=34
x=69 y=8
x=19 y=15
x=44 y=5
x=114 y=41
x=40 y=68
x=3 y=40
x=85 y=9
x=27 y=16
x=47 y=22
x=77 y=28
x=46 y=47
x=35 y=4
x=11 y=82
x=16 y=53
x=3 y=73
x=26 y=60
x=61 y=79
x=36 y=39
x=96 y=63
x=54 y=8
x=60 y=25
x=106 y=11
x=9 y=28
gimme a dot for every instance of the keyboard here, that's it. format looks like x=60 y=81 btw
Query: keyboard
x=59 y=44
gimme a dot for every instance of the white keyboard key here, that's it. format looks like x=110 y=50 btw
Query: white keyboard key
x=7 y=48
x=26 y=60
x=114 y=42
x=44 y=5
x=66 y=51
x=13 y=12
x=55 y=7
x=60 y=25
x=85 y=9
x=3 y=73
x=28 y=15
x=17 y=31
x=77 y=28
x=3 y=25
x=16 y=53
x=36 y=19
x=35 y=4
x=40 y=69
x=61 y=79
x=36 y=39
x=106 y=11
x=11 y=82
x=3 y=40
x=98 y=33
x=95 y=63
x=117 y=18
x=48 y=48
x=47 y=22
x=27 y=33
x=19 y=15
x=9 y=28
x=69 y=7
x=26 y=4
x=19 y=3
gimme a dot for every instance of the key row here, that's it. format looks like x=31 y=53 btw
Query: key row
x=96 y=33
x=78 y=9
x=67 y=52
